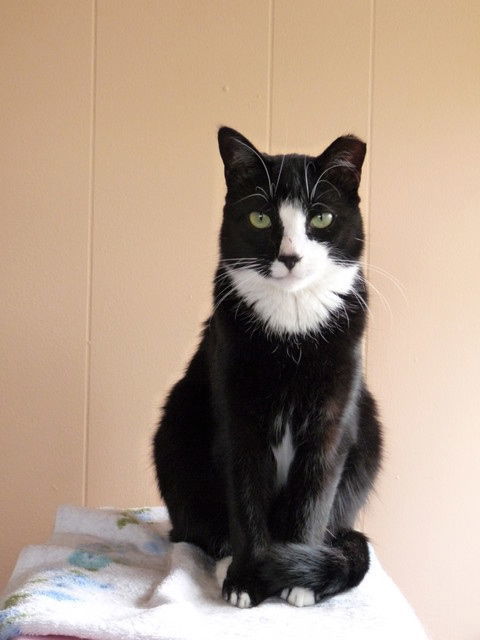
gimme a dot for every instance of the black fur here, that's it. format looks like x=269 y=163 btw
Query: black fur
x=213 y=448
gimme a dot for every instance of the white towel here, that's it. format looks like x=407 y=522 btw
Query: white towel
x=113 y=575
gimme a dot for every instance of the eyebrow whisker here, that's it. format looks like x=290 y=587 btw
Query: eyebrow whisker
x=331 y=185
x=251 y=195
x=263 y=192
x=279 y=174
x=318 y=203
x=270 y=186
x=342 y=165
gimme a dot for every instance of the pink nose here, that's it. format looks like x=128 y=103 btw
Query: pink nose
x=289 y=261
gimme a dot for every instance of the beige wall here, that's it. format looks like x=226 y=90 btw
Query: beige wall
x=110 y=205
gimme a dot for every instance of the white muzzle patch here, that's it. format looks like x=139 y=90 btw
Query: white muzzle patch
x=301 y=299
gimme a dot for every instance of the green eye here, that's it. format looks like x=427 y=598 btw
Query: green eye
x=260 y=220
x=322 y=220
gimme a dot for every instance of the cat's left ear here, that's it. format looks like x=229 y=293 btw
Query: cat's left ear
x=342 y=161
x=240 y=158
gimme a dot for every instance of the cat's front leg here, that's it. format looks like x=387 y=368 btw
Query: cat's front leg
x=313 y=484
x=247 y=499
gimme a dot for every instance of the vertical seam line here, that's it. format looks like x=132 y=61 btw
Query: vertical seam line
x=270 y=74
x=93 y=88
x=362 y=514
x=369 y=143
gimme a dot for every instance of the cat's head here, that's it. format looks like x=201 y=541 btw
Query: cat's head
x=291 y=222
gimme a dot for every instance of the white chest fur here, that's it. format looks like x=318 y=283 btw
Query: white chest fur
x=284 y=453
x=295 y=312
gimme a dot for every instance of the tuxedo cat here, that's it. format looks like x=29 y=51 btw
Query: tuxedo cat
x=270 y=443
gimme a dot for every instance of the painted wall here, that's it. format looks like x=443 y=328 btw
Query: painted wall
x=111 y=201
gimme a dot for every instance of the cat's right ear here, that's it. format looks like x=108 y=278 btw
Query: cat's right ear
x=240 y=158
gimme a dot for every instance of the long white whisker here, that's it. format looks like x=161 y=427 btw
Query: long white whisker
x=226 y=260
x=334 y=166
x=382 y=298
x=391 y=277
x=330 y=185
x=369 y=265
x=270 y=186
x=251 y=195
x=218 y=279
x=229 y=290
x=279 y=174
x=383 y=272
x=243 y=267
x=345 y=311
x=263 y=192
x=362 y=303
x=306 y=176
x=318 y=203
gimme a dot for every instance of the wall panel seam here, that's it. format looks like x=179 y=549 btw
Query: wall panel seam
x=367 y=215
x=371 y=71
x=88 y=337
x=270 y=73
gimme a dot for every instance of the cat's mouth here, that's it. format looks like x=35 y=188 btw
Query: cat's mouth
x=288 y=277
x=292 y=281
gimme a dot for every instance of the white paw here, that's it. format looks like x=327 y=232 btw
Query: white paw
x=299 y=596
x=240 y=600
x=244 y=601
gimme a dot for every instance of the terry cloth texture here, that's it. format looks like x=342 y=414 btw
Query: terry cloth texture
x=107 y=574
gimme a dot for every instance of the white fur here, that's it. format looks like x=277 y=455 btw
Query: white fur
x=284 y=453
x=240 y=599
x=299 y=596
x=221 y=569
x=295 y=239
x=244 y=601
x=300 y=300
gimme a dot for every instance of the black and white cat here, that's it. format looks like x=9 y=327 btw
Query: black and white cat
x=270 y=443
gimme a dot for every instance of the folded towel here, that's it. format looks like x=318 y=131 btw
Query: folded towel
x=113 y=575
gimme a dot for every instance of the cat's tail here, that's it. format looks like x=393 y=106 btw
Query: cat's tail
x=325 y=570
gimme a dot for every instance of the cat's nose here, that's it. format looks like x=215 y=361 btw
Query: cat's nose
x=289 y=261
